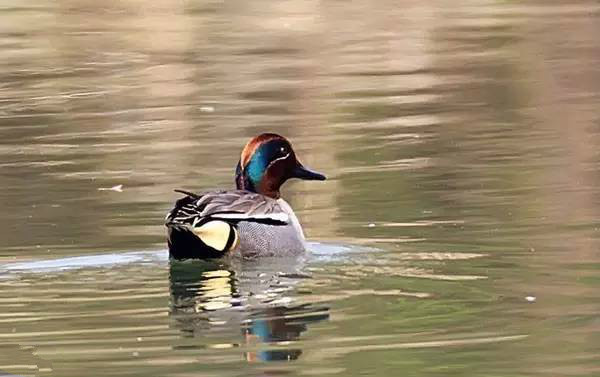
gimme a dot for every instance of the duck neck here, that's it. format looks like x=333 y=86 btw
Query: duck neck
x=265 y=186
x=268 y=188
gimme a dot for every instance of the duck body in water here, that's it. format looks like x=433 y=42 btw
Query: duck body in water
x=252 y=220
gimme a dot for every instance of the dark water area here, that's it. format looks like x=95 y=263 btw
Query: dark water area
x=458 y=233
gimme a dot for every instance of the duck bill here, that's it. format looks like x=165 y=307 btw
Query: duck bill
x=303 y=173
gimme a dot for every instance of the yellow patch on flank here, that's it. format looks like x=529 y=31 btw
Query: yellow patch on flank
x=215 y=234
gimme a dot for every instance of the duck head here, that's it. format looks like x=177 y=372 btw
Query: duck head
x=267 y=161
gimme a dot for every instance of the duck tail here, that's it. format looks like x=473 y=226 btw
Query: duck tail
x=184 y=192
x=212 y=239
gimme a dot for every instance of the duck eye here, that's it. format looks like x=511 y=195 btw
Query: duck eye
x=282 y=150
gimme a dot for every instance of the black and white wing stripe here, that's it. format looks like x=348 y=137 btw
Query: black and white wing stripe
x=205 y=226
x=230 y=206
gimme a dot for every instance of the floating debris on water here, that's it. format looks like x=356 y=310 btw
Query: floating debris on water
x=530 y=298
x=117 y=188
x=207 y=109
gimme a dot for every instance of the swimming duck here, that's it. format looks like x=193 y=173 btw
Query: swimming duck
x=252 y=220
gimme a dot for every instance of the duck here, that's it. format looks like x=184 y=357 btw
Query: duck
x=249 y=221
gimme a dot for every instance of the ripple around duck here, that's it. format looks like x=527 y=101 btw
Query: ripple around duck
x=206 y=299
x=88 y=261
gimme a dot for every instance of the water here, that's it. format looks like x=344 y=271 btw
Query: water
x=457 y=235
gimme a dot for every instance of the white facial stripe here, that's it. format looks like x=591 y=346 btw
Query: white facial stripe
x=280 y=158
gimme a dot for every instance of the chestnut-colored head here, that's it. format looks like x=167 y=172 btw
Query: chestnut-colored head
x=267 y=161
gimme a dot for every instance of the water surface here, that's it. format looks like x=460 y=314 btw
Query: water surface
x=457 y=234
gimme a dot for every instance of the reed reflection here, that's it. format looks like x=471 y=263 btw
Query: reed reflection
x=209 y=298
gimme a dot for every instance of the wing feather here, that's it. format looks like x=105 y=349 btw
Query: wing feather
x=232 y=206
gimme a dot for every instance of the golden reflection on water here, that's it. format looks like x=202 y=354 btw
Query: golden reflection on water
x=205 y=297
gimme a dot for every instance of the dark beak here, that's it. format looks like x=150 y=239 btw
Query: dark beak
x=303 y=173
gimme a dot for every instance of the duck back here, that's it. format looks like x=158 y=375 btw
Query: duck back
x=232 y=223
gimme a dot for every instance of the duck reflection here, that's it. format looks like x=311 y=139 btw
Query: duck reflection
x=214 y=298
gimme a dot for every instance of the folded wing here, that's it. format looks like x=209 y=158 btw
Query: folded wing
x=211 y=219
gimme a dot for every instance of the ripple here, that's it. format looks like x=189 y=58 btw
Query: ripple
x=339 y=350
x=437 y=256
x=33 y=334
x=88 y=261
x=417 y=223
x=402 y=164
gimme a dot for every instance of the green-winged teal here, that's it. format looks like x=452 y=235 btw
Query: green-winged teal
x=251 y=221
